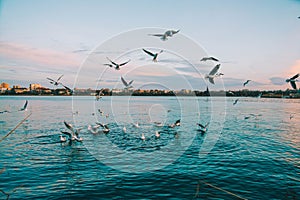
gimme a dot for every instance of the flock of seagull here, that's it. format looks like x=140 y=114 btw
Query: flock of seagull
x=73 y=134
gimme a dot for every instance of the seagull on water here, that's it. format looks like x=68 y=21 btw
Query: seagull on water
x=136 y=125
x=124 y=129
x=154 y=55
x=116 y=65
x=293 y=80
x=164 y=36
x=93 y=129
x=209 y=58
x=143 y=137
x=177 y=123
x=127 y=85
x=157 y=134
x=74 y=135
x=62 y=138
x=56 y=83
x=203 y=127
x=24 y=107
x=235 y=102
x=213 y=74
x=245 y=83
x=158 y=124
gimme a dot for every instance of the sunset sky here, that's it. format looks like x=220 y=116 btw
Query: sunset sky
x=257 y=40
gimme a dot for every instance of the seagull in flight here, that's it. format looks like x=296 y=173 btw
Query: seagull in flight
x=127 y=85
x=104 y=126
x=4 y=111
x=245 y=83
x=56 y=83
x=154 y=55
x=209 y=58
x=157 y=134
x=116 y=65
x=24 y=107
x=235 y=102
x=74 y=135
x=168 y=33
x=293 y=80
x=203 y=127
x=213 y=74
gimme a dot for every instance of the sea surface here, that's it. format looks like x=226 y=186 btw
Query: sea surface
x=251 y=150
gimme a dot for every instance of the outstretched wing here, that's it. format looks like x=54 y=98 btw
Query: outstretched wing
x=157 y=35
x=111 y=61
x=67 y=133
x=214 y=70
x=51 y=79
x=124 y=63
x=293 y=84
x=296 y=76
x=214 y=59
x=200 y=125
x=59 y=78
x=148 y=52
x=25 y=105
x=130 y=82
x=124 y=82
x=69 y=126
x=211 y=80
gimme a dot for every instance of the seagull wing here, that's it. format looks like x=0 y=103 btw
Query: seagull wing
x=293 y=84
x=111 y=61
x=157 y=35
x=214 y=70
x=124 y=82
x=130 y=82
x=211 y=80
x=124 y=63
x=148 y=52
x=67 y=133
x=25 y=105
x=296 y=76
x=51 y=79
x=69 y=126
x=200 y=125
x=178 y=121
x=214 y=59
x=59 y=78
x=206 y=125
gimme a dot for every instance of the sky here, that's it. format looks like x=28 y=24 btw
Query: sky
x=257 y=40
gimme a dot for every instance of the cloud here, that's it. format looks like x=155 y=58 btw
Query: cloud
x=35 y=56
x=277 y=81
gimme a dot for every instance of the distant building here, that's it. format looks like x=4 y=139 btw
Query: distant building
x=20 y=90
x=34 y=86
x=4 y=85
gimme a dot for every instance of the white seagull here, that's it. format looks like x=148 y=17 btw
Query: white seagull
x=143 y=137
x=154 y=55
x=24 y=107
x=235 y=102
x=177 y=123
x=168 y=33
x=56 y=83
x=62 y=138
x=245 y=83
x=157 y=134
x=293 y=80
x=213 y=74
x=105 y=127
x=74 y=135
x=209 y=58
x=203 y=128
x=116 y=65
x=127 y=85
x=93 y=129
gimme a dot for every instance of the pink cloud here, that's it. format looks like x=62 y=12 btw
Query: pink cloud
x=38 y=56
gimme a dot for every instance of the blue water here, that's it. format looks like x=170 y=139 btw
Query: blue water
x=254 y=158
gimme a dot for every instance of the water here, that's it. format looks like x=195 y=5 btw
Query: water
x=255 y=158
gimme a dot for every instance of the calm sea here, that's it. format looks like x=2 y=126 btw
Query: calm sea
x=251 y=149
